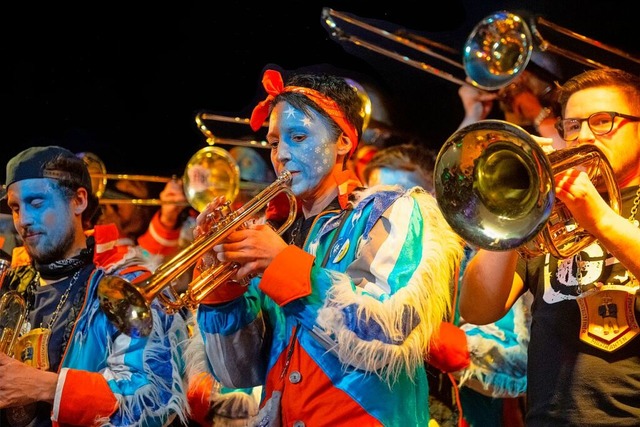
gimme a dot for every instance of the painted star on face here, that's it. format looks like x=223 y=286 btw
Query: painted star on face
x=306 y=122
x=291 y=112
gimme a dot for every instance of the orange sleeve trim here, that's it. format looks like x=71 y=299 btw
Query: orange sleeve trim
x=70 y=405
x=199 y=397
x=288 y=277
x=158 y=239
x=225 y=292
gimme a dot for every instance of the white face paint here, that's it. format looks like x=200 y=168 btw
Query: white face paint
x=302 y=145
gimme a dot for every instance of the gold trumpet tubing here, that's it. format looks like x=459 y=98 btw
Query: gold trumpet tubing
x=585 y=39
x=127 y=304
x=206 y=282
x=555 y=238
x=190 y=255
x=340 y=34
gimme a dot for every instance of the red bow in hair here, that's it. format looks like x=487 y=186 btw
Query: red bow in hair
x=273 y=85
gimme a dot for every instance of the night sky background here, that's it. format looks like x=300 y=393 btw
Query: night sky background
x=125 y=81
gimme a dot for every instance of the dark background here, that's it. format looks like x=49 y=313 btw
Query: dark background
x=126 y=81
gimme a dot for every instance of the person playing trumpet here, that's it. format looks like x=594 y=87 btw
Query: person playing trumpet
x=338 y=315
x=579 y=373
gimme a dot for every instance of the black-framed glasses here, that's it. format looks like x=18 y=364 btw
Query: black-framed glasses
x=600 y=123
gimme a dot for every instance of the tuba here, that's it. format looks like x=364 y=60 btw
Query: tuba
x=128 y=305
x=495 y=187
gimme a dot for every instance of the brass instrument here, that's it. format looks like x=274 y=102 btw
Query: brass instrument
x=495 y=186
x=13 y=311
x=495 y=53
x=209 y=173
x=203 y=116
x=211 y=139
x=127 y=305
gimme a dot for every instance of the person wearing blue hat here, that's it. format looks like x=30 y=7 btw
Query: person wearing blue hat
x=70 y=365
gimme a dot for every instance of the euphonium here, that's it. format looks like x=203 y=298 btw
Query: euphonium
x=13 y=311
x=495 y=186
x=128 y=305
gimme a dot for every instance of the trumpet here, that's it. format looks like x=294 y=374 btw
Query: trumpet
x=128 y=305
x=495 y=187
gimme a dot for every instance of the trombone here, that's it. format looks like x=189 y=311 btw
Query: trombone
x=210 y=172
x=496 y=52
x=212 y=139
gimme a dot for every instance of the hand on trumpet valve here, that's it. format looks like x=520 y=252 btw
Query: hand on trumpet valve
x=579 y=194
x=253 y=247
x=207 y=218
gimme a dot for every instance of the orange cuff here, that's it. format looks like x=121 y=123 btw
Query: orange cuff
x=448 y=351
x=225 y=292
x=70 y=405
x=293 y=268
x=158 y=239
x=199 y=396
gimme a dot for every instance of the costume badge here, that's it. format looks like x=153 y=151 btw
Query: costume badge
x=32 y=348
x=608 y=319
x=339 y=250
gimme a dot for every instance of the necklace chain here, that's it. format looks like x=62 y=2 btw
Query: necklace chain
x=63 y=299
x=634 y=208
x=632 y=220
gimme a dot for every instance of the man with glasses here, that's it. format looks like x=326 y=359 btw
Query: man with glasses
x=579 y=373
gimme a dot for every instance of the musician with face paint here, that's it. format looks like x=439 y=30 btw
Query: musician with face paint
x=337 y=317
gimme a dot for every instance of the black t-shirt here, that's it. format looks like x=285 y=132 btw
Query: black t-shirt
x=571 y=382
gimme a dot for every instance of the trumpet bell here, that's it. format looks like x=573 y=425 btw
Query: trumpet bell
x=496 y=188
x=497 y=50
x=494 y=184
x=125 y=307
x=211 y=172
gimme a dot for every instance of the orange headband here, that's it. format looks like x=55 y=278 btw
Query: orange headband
x=273 y=84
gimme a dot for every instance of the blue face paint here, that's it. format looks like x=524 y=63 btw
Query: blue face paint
x=302 y=145
x=403 y=178
x=42 y=216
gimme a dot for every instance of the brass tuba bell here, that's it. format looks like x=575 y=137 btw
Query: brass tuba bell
x=495 y=187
